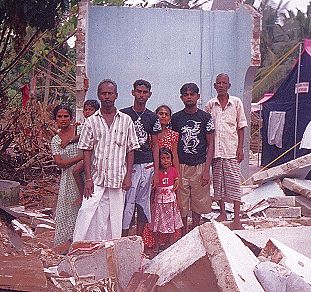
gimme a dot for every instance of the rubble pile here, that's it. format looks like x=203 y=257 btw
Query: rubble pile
x=272 y=253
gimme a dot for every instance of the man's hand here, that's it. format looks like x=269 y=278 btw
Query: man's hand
x=127 y=182
x=88 y=188
x=240 y=154
x=205 y=178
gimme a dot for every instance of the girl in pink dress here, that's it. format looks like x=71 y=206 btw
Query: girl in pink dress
x=165 y=216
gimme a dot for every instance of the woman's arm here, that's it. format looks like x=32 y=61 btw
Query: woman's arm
x=65 y=163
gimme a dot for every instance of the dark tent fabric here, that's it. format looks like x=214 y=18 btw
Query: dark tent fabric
x=284 y=100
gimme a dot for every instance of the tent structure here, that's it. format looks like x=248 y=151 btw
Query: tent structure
x=287 y=113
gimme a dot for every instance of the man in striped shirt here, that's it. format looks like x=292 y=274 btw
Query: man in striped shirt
x=230 y=121
x=108 y=140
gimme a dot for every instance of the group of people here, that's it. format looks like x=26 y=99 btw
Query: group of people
x=133 y=166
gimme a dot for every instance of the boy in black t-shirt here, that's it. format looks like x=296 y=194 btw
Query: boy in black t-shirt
x=146 y=160
x=195 y=152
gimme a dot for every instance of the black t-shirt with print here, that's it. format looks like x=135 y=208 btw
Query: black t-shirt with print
x=192 y=129
x=146 y=123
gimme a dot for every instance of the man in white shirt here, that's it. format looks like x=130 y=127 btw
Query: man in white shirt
x=229 y=119
x=108 y=140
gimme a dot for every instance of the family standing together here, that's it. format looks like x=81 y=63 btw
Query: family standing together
x=135 y=167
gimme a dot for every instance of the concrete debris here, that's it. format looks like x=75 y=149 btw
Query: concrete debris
x=297 y=168
x=299 y=186
x=305 y=205
x=261 y=198
x=41 y=228
x=297 y=238
x=279 y=202
x=276 y=278
x=117 y=259
x=22 y=273
x=282 y=254
x=210 y=258
x=285 y=212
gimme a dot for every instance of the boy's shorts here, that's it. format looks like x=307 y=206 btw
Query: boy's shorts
x=191 y=195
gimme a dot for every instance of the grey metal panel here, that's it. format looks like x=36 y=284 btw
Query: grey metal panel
x=168 y=47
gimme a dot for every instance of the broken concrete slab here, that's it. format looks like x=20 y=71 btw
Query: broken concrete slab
x=305 y=205
x=285 y=212
x=278 y=202
x=22 y=273
x=297 y=238
x=256 y=200
x=119 y=259
x=275 y=278
x=210 y=258
x=297 y=168
x=299 y=186
x=282 y=254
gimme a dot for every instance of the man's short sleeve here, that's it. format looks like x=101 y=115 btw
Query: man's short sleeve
x=241 y=118
x=210 y=128
x=156 y=126
x=132 y=140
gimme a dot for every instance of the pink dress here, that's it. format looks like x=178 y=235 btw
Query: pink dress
x=165 y=215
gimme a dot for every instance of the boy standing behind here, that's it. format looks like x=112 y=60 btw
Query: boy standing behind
x=230 y=121
x=195 y=152
x=146 y=160
x=90 y=106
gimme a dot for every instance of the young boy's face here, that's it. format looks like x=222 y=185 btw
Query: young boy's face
x=190 y=98
x=88 y=110
x=141 y=94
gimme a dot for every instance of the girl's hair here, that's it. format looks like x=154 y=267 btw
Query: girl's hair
x=62 y=106
x=165 y=106
x=93 y=103
x=165 y=150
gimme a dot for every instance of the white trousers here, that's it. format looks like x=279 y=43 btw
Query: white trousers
x=100 y=217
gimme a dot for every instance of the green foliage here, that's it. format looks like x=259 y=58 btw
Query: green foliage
x=282 y=30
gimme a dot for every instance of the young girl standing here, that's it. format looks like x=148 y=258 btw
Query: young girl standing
x=165 y=217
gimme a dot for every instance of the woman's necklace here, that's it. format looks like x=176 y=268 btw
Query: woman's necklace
x=139 y=115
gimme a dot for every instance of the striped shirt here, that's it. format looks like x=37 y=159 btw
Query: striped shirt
x=110 y=146
x=227 y=121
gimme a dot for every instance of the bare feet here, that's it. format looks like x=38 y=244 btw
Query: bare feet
x=221 y=217
x=236 y=225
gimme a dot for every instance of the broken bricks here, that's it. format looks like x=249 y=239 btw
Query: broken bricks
x=116 y=260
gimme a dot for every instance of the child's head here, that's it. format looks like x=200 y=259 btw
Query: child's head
x=90 y=107
x=164 y=113
x=166 y=157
